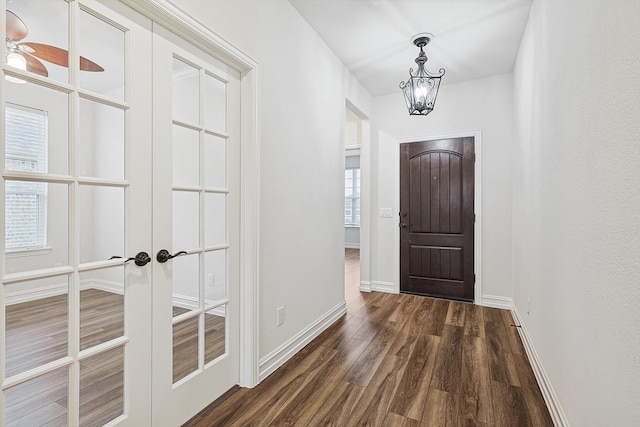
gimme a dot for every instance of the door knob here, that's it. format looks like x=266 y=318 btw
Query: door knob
x=164 y=255
x=141 y=258
x=405 y=225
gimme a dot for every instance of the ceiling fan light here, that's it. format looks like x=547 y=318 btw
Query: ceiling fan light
x=16 y=60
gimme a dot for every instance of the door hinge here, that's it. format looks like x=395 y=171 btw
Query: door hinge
x=474 y=217
x=474 y=278
x=474 y=157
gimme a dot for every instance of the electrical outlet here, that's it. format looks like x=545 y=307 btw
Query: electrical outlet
x=211 y=279
x=280 y=316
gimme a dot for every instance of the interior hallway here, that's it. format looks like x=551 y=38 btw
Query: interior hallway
x=396 y=360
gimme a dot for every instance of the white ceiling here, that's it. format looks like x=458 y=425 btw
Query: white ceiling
x=472 y=38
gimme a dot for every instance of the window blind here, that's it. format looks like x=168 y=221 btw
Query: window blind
x=25 y=201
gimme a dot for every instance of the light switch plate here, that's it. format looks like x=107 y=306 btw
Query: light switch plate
x=386 y=213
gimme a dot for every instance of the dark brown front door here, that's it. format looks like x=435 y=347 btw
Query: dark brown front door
x=436 y=218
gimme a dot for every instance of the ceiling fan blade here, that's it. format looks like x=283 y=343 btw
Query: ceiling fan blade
x=59 y=56
x=35 y=66
x=87 y=65
x=52 y=54
x=16 y=29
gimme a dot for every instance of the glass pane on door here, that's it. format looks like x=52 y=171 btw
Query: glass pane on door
x=102 y=217
x=186 y=283
x=186 y=220
x=186 y=154
x=214 y=333
x=102 y=55
x=102 y=294
x=185 y=348
x=102 y=387
x=215 y=264
x=36 y=322
x=215 y=161
x=37 y=38
x=215 y=217
x=215 y=103
x=36 y=225
x=39 y=401
x=186 y=92
x=101 y=140
x=36 y=129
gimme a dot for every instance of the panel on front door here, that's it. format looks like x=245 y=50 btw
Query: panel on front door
x=436 y=218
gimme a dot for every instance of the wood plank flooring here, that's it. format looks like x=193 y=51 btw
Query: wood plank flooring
x=396 y=360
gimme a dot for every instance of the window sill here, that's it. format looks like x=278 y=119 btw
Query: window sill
x=351 y=226
x=24 y=252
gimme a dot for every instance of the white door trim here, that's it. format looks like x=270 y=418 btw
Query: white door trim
x=477 y=202
x=171 y=17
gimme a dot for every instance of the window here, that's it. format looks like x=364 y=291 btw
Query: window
x=352 y=197
x=25 y=201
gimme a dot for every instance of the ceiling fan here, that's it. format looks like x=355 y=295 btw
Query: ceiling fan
x=23 y=55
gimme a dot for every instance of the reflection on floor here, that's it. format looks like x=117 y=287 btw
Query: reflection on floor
x=351 y=274
x=185 y=343
x=37 y=333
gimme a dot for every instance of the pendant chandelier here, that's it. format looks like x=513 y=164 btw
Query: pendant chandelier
x=421 y=89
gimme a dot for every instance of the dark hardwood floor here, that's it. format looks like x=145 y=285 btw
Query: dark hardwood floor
x=396 y=360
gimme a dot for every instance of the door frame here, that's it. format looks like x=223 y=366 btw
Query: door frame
x=477 y=205
x=185 y=26
x=365 y=196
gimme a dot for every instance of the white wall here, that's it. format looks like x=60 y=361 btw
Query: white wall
x=484 y=105
x=576 y=204
x=303 y=88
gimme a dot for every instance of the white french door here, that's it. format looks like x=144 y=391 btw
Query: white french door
x=120 y=250
x=75 y=298
x=196 y=151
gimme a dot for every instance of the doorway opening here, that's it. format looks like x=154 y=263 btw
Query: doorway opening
x=352 y=203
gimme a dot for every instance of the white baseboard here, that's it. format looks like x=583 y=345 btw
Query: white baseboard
x=378 y=286
x=550 y=397
x=496 y=301
x=365 y=286
x=280 y=355
x=192 y=303
x=37 y=293
x=103 y=285
x=184 y=301
x=352 y=246
x=48 y=291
